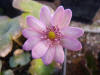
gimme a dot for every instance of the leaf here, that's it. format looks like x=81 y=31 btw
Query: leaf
x=39 y=68
x=9 y=29
x=30 y=8
x=20 y=59
x=91 y=63
x=8 y=72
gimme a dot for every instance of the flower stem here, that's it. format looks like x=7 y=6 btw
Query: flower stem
x=65 y=62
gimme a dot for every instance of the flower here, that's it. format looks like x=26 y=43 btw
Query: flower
x=48 y=36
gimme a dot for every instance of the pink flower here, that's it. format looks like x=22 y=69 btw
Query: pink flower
x=48 y=36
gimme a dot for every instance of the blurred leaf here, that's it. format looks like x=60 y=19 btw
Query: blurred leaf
x=8 y=72
x=9 y=29
x=39 y=68
x=91 y=63
x=29 y=7
x=20 y=59
x=84 y=69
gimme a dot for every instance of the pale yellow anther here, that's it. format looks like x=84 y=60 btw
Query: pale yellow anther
x=51 y=35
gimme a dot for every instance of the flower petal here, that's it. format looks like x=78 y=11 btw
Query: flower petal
x=58 y=16
x=67 y=17
x=40 y=49
x=72 y=32
x=35 y=24
x=59 y=54
x=29 y=32
x=65 y=20
x=71 y=43
x=45 y=15
x=49 y=55
x=30 y=43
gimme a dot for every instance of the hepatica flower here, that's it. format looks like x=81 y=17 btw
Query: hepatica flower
x=47 y=37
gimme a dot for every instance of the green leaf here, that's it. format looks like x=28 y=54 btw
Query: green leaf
x=8 y=72
x=9 y=29
x=39 y=68
x=30 y=8
x=91 y=63
x=21 y=59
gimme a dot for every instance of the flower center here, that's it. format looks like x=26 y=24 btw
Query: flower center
x=51 y=35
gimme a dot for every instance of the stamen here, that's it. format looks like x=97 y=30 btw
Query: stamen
x=51 y=35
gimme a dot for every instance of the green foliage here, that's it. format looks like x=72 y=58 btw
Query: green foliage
x=21 y=59
x=91 y=63
x=39 y=68
x=8 y=72
x=29 y=7
x=9 y=29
